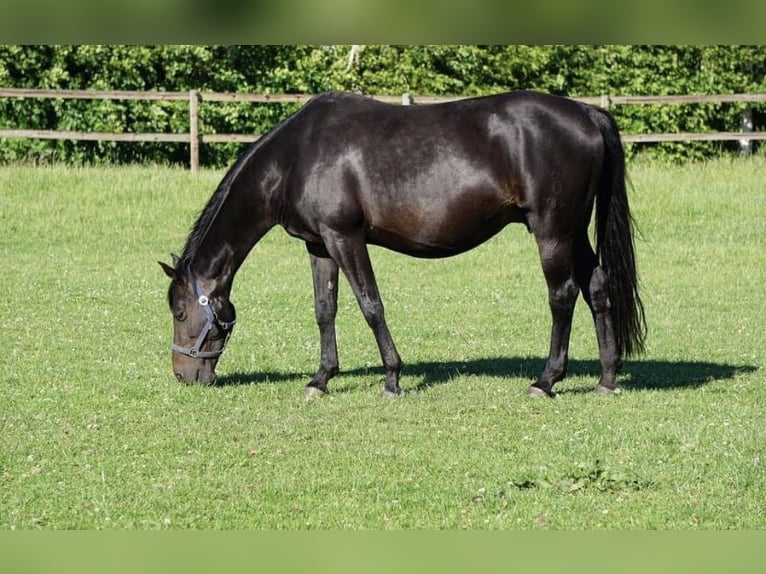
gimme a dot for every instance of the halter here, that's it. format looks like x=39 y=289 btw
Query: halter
x=212 y=319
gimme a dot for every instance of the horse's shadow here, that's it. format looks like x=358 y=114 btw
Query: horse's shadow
x=636 y=375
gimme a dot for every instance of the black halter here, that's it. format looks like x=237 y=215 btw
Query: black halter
x=212 y=319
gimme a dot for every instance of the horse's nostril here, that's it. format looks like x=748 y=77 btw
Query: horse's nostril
x=179 y=376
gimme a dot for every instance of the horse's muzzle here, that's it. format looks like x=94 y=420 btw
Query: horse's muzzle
x=200 y=377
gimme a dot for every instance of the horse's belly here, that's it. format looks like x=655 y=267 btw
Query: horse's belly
x=423 y=236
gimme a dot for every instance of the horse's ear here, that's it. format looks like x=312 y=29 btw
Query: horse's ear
x=169 y=271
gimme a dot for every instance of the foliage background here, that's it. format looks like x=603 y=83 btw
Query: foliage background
x=465 y=70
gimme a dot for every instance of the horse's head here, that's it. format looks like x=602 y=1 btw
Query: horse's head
x=202 y=324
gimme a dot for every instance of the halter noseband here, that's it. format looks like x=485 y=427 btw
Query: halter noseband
x=211 y=319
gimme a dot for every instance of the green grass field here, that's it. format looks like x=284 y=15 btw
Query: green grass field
x=96 y=432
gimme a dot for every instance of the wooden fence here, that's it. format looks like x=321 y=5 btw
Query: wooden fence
x=194 y=98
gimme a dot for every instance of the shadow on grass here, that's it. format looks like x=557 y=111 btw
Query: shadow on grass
x=636 y=375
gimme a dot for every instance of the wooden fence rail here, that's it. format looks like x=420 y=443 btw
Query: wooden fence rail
x=194 y=98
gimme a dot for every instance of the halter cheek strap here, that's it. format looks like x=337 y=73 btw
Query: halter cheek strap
x=211 y=320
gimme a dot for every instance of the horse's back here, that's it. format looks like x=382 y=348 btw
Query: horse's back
x=519 y=126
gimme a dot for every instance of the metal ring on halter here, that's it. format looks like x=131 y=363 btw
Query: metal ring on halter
x=211 y=319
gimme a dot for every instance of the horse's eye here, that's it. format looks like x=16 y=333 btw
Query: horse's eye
x=180 y=316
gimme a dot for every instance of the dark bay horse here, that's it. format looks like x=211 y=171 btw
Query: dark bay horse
x=345 y=171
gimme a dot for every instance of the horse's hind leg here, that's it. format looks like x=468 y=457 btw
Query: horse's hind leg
x=593 y=283
x=556 y=256
x=324 y=271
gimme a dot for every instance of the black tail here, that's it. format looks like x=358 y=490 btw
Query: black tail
x=614 y=240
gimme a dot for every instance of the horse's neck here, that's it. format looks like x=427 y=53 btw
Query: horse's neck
x=242 y=219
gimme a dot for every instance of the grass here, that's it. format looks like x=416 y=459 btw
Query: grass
x=96 y=432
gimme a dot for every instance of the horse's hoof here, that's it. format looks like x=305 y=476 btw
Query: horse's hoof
x=386 y=394
x=602 y=390
x=534 y=391
x=310 y=393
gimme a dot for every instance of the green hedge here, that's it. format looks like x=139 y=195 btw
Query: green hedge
x=420 y=70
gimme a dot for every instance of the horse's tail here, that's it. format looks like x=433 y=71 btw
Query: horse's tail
x=614 y=240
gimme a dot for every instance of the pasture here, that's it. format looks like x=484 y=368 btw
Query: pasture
x=97 y=433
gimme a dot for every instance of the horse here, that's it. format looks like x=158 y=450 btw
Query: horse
x=429 y=181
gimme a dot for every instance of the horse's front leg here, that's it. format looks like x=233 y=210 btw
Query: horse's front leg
x=325 y=275
x=352 y=256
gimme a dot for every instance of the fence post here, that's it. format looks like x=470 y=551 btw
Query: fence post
x=606 y=101
x=746 y=126
x=194 y=98
x=407 y=100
